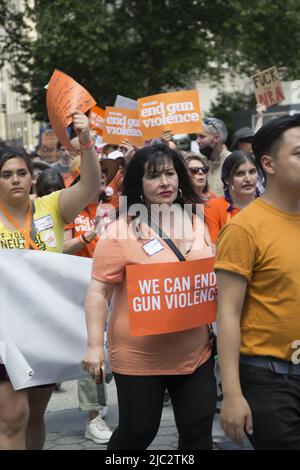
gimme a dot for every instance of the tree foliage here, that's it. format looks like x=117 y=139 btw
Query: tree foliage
x=139 y=47
x=226 y=104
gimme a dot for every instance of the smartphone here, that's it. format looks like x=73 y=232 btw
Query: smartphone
x=101 y=378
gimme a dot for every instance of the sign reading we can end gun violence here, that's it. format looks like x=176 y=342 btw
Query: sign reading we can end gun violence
x=97 y=119
x=178 y=112
x=120 y=124
x=267 y=87
x=170 y=297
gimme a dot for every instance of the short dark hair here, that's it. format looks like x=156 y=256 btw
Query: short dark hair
x=154 y=156
x=48 y=181
x=268 y=138
x=8 y=152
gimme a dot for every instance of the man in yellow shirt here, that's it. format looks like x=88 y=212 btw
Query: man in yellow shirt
x=258 y=270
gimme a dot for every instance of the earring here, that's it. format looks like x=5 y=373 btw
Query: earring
x=141 y=198
x=179 y=194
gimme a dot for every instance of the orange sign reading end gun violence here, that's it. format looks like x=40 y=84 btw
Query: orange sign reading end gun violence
x=120 y=124
x=170 y=297
x=64 y=96
x=177 y=111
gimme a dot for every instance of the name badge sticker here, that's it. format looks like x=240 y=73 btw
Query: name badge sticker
x=43 y=223
x=152 y=247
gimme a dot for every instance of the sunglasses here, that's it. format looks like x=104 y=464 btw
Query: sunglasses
x=196 y=170
x=210 y=122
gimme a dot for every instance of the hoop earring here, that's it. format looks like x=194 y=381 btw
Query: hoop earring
x=180 y=194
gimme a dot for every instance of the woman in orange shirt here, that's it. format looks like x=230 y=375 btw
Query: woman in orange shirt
x=239 y=176
x=145 y=366
x=199 y=176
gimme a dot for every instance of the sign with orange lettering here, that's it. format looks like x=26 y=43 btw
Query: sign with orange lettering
x=120 y=124
x=170 y=297
x=97 y=119
x=64 y=95
x=267 y=87
x=178 y=111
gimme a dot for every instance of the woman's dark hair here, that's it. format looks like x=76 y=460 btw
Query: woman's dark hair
x=48 y=181
x=8 y=152
x=154 y=156
x=230 y=165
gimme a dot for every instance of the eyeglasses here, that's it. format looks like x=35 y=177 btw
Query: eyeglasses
x=197 y=170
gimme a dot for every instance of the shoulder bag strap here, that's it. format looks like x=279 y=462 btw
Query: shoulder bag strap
x=167 y=240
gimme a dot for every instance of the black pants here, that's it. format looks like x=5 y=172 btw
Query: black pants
x=274 y=400
x=140 y=400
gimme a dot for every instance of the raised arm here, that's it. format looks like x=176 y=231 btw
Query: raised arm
x=260 y=109
x=235 y=414
x=74 y=199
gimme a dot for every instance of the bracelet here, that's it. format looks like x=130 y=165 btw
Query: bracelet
x=85 y=239
x=82 y=242
x=89 y=145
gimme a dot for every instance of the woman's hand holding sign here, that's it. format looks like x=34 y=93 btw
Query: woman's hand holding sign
x=81 y=127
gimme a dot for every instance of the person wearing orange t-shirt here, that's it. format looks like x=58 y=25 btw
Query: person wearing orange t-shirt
x=199 y=176
x=81 y=238
x=145 y=366
x=258 y=272
x=239 y=177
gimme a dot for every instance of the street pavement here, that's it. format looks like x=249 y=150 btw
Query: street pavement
x=65 y=423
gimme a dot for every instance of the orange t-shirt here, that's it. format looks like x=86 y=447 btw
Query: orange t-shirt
x=165 y=354
x=217 y=215
x=262 y=244
x=83 y=223
x=116 y=186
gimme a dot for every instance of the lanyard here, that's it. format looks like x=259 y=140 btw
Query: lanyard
x=26 y=233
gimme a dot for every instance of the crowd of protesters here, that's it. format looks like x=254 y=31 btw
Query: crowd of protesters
x=249 y=219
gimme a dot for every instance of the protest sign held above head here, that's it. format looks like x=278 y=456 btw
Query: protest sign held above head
x=97 y=119
x=64 y=96
x=178 y=112
x=170 y=297
x=127 y=103
x=267 y=87
x=122 y=124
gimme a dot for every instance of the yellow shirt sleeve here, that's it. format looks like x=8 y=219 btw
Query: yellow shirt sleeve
x=235 y=251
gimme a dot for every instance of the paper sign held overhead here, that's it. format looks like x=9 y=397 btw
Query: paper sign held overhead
x=122 y=124
x=64 y=95
x=127 y=103
x=170 y=297
x=267 y=87
x=178 y=111
x=97 y=119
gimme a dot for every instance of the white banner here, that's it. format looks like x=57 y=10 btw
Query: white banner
x=42 y=324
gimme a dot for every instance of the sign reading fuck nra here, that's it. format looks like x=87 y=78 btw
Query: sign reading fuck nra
x=170 y=297
x=178 y=112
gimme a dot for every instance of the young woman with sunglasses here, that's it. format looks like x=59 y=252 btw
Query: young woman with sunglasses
x=239 y=177
x=199 y=176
